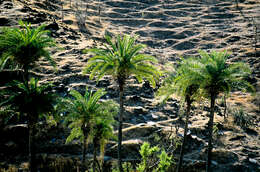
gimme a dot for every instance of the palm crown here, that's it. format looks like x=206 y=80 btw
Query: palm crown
x=218 y=76
x=102 y=132
x=32 y=99
x=82 y=110
x=25 y=46
x=121 y=59
x=182 y=81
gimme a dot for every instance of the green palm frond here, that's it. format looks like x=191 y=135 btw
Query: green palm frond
x=26 y=45
x=220 y=76
x=102 y=132
x=183 y=82
x=82 y=110
x=4 y=62
x=75 y=133
x=121 y=58
x=31 y=99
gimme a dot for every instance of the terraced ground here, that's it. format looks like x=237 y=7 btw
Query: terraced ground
x=170 y=29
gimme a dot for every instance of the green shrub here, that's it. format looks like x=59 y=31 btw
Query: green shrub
x=242 y=119
x=127 y=167
x=152 y=160
x=165 y=162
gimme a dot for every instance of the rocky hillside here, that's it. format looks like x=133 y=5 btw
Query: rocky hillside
x=170 y=29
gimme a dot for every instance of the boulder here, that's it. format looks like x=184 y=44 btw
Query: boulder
x=138 y=131
x=224 y=156
x=130 y=149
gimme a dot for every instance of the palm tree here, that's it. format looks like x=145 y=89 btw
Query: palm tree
x=34 y=101
x=25 y=46
x=184 y=84
x=218 y=76
x=102 y=132
x=82 y=111
x=122 y=58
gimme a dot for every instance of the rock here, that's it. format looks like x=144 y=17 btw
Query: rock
x=103 y=83
x=8 y=5
x=193 y=142
x=186 y=45
x=253 y=161
x=135 y=98
x=251 y=131
x=108 y=33
x=129 y=147
x=60 y=87
x=138 y=110
x=59 y=148
x=14 y=139
x=52 y=26
x=138 y=131
x=163 y=34
x=194 y=165
x=154 y=116
x=237 y=137
x=224 y=156
x=233 y=39
x=5 y=21
x=250 y=153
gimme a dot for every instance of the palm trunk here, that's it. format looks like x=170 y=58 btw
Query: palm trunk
x=26 y=77
x=225 y=107
x=30 y=149
x=84 y=150
x=94 y=157
x=188 y=101
x=121 y=89
x=211 y=120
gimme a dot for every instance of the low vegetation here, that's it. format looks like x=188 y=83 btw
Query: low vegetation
x=241 y=118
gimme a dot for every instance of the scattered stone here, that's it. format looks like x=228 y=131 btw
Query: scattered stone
x=131 y=146
x=52 y=26
x=237 y=137
x=184 y=46
x=224 y=156
x=5 y=21
x=253 y=161
x=251 y=131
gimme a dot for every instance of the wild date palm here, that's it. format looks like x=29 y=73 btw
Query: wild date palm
x=102 y=132
x=219 y=76
x=81 y=113
x=122 y=58
x=186 y=85
x=34 y=101
x=25 y=46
